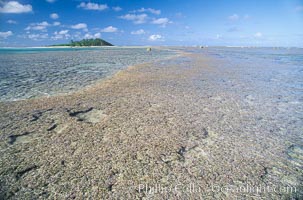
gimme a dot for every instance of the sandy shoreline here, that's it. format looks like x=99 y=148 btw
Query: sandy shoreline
x=149 y=126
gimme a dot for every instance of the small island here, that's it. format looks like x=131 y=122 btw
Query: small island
x=86 y=42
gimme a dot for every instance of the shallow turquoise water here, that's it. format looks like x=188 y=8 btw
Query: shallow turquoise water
x=33 y=72
x=266 y=81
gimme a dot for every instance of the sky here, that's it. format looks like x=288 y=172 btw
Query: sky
x=153 y=22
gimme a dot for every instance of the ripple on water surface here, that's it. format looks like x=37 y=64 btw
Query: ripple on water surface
x=31 y=72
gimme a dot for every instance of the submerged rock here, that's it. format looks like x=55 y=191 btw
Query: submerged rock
x=295 y=154
x=90 y=115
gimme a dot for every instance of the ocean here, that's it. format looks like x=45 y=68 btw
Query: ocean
x=221 y=118
x=33 y=72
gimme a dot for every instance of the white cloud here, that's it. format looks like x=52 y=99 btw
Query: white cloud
x=35 y=28
x=56 y=24
x=234 y=17
x=77 y=35
x=151 y=10
x=15 y=7
x=97 y=35
x=11 y=21
x=54 y=16
x=299 y=8
x=109 y=29
x=92 y=6
x=5 y=35
x=161 y=21
x=155 y=37
x=37 y=37
x=44 y=23
x=137 y=19
x=88 y=36
x=138 y=32
x=79 y=26
x=117 y=8
x=63 y=34
x=258 y=35
x=50 y=1
x=38 y=26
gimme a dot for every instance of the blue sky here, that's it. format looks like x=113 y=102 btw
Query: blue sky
x=153 y=22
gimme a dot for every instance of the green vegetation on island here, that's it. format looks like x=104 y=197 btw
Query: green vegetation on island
x=86 y=42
